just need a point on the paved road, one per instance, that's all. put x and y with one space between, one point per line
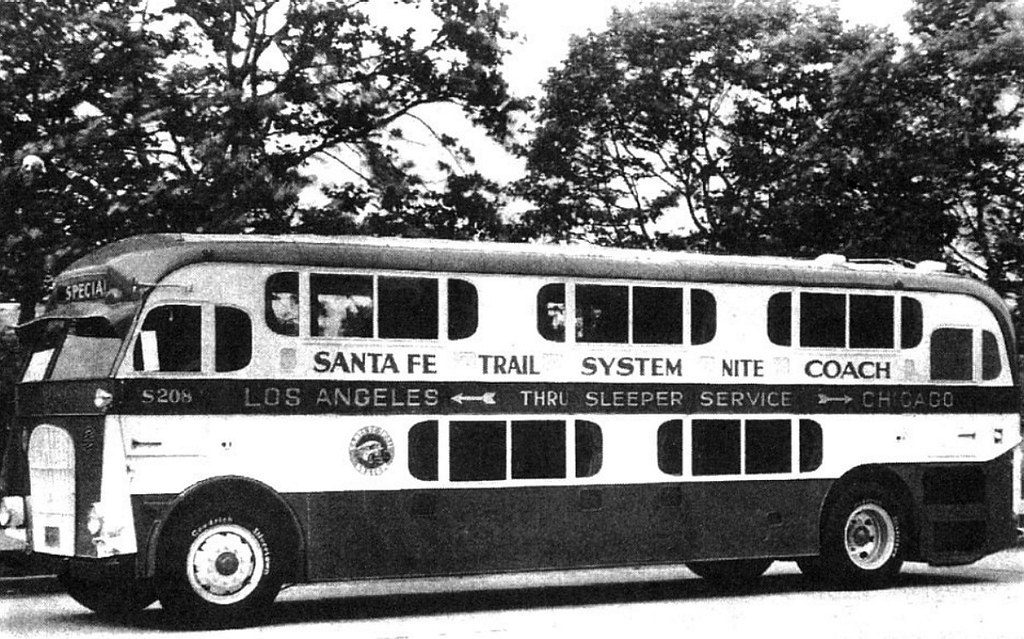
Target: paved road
979 601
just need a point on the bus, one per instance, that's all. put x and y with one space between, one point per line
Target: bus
204 419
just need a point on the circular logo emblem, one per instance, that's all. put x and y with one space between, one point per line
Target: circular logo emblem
371 450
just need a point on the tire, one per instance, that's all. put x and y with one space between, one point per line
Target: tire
111 592
732 571
862 539
219 565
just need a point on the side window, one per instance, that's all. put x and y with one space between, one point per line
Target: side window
670 447
423 451
551 312
716 447
408 307
232 339
463 309
768 445
657 315
872 318
538 449
476 451
991 361
810 445
822 319
911 323
839 320
589 448
170 341
703 317
282 303
732 447
780 319
601 313
342 305
952 357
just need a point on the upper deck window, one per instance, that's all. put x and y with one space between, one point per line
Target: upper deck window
282 303
620 314
171 340
841 320
389 307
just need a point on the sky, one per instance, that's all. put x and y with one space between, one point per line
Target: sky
546 25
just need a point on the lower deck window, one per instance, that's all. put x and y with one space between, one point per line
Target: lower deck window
739 447
488 450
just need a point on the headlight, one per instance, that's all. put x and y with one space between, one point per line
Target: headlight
12 512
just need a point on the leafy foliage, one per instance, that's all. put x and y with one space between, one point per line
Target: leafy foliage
206 116
764 127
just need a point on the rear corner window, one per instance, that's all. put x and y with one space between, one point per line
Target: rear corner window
951 354
991 359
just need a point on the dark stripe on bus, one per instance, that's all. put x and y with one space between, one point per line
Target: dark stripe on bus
371 397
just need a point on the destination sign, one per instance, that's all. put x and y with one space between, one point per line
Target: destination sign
84 290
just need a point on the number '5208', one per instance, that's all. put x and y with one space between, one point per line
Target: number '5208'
166 396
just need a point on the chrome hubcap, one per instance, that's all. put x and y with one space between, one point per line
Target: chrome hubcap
870 536
225 563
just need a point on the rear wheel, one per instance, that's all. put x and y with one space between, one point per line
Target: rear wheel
110 591
862 544
730 570
219 565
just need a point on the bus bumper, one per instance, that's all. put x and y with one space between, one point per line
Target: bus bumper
967 511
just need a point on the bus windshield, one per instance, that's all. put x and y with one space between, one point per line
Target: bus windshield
80 348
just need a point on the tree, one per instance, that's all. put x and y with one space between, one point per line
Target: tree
699 108
778 130
205 117
967 61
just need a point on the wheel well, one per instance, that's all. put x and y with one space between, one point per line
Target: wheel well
885 478
254 494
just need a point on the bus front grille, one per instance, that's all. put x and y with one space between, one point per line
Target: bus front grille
51 460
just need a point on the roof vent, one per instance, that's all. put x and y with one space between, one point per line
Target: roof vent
930 266
830 259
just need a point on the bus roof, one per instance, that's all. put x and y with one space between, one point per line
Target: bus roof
150 258
147 259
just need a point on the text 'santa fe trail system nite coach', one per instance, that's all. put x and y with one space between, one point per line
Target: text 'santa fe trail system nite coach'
204 419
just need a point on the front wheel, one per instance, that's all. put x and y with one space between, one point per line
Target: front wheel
862 540
218 566
730 570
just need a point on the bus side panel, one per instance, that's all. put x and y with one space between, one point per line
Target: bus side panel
465 531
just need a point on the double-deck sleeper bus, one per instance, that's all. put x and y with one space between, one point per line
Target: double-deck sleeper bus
204 419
